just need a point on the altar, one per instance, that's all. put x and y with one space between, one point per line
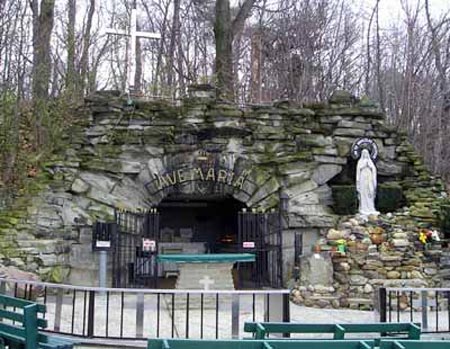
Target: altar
205 271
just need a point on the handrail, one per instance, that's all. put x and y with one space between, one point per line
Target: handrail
428 305
122 313
142 290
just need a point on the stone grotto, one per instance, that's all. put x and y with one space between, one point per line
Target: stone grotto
166 155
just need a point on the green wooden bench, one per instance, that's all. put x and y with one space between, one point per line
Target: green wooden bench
23 321
261 330
257 344
401 344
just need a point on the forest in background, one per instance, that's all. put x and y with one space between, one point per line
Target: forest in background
55 52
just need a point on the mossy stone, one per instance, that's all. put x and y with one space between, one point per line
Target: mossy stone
57 274
444 217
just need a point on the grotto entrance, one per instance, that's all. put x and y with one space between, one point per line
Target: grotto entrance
191 224
186 224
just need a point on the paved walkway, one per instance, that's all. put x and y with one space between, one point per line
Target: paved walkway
298 313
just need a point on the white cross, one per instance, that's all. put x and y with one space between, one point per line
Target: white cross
206 282
134 34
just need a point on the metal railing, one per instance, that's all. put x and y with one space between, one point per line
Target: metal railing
428 306
116 313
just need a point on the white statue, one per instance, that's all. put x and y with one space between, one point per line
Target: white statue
366 184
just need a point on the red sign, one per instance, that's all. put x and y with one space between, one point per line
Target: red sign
248 244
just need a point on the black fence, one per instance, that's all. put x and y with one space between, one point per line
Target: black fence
134 265
111 313
427 306
261 234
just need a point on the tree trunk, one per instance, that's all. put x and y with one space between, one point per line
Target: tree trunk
255 62
84 61
380 82
42 62
10 157
224 50
443 111
138 63
161 46
70 75
225 31
138 71
180 65
174 36
42 48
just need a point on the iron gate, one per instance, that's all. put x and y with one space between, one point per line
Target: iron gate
135 249
261 234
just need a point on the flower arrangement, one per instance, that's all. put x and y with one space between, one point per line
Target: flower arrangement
426 236
341 246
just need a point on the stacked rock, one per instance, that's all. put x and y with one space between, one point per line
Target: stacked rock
387 250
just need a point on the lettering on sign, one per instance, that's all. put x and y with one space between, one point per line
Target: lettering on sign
248 244
103 244
191 174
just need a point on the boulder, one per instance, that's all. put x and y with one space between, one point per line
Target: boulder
323 173
317 270
79 186
334 234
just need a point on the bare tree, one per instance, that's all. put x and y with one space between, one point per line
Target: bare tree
443 107
225 30
71 71
86 43
42 30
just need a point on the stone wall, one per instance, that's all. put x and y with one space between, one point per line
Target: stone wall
117 153
383 252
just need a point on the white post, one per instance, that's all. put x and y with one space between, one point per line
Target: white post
103 270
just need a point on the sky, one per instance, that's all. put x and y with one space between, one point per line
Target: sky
390 9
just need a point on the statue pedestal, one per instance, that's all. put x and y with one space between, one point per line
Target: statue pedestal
206 271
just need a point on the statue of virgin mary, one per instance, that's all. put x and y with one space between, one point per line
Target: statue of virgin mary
366 184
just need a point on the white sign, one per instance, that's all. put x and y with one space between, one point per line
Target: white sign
103 244
148 245
248 244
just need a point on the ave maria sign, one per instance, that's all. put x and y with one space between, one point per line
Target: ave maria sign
210 174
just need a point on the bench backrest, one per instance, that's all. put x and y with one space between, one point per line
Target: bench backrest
261 329
14 309
24 317
255 344
402 344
